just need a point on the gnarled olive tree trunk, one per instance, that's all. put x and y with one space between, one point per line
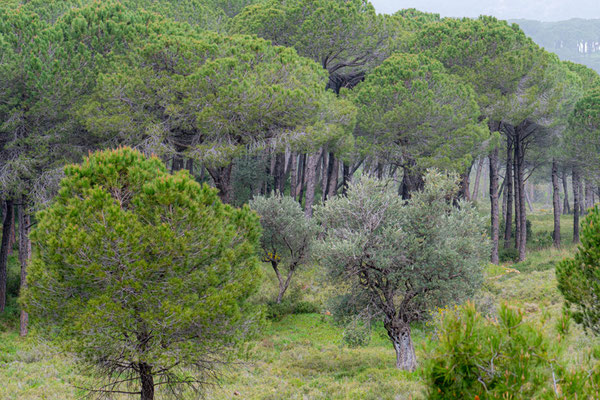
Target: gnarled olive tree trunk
399 333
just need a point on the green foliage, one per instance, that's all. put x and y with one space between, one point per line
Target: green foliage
287 238
357 333
476 357
579 277
137 266
404 257
411 109
345 37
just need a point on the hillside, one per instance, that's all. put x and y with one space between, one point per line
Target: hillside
577 40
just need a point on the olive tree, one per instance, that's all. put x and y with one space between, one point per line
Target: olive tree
146 274
405 256
287 237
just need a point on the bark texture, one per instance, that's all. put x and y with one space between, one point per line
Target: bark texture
7 228
493 158
556 204
399 333
24 256
576 204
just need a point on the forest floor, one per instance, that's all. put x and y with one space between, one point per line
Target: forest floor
304 356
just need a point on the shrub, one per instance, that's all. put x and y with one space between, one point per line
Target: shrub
579 277
477 357
357 333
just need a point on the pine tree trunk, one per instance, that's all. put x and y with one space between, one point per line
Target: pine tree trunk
302 178
311 183
477 179
24 256
293 175
517 199
508 193
576 207
278 172
222 178
556 204
522 206
333 176
7 227
399 333
493 158
147 381
346 177
464 192
412 180
566 206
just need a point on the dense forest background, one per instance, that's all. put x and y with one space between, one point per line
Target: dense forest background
351 202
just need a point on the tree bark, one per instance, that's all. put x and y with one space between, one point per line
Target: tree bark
576 205
556 203
222 178
566 206
346 177
508 193
522 203
7 227
24 256
333 176
147 381
493 158
412 180
311 183
477 179
399 333
293 175
302 178
279 173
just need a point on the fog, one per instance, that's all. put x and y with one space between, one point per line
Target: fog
543 10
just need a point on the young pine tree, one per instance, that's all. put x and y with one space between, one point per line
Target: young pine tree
146 273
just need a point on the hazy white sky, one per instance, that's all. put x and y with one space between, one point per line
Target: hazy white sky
544 10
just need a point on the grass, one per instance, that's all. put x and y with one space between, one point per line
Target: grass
304 357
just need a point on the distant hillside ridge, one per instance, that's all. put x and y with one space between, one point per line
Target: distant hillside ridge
576 40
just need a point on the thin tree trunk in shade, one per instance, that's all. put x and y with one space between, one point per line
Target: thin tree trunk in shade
556 204
24 257
311 183
509 193
346 177
324 174
477 179
493 159
7 226
519 155
293 175
576 207
566 205
333 177
516 199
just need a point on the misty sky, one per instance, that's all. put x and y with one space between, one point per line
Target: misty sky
543 10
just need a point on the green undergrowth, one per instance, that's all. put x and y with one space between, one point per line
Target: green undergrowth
301 354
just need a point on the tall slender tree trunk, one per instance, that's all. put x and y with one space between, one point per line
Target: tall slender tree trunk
464 192
519 156
147 381
293 175
7 227
400 335
493 159
333 176
477 179
566 206
302 178
576 205
508 193
311 183
24 256
346 177
517 199
556 203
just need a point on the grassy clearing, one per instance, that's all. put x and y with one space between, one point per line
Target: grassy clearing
304 356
